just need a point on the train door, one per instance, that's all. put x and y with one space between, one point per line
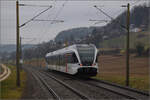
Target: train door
66 62
72 62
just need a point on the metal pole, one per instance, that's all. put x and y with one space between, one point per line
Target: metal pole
127 45
17 43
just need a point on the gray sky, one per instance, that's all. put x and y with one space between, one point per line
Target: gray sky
74 13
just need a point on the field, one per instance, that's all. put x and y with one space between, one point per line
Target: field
113 68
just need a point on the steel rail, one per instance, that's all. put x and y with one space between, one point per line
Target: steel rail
83 96
46 85
110 87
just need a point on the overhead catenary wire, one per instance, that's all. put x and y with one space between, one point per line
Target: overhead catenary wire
44 24
48 16
57 14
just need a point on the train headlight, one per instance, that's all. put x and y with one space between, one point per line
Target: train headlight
94 64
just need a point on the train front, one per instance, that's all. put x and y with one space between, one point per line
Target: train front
88 60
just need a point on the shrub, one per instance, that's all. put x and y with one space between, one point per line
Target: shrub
139 49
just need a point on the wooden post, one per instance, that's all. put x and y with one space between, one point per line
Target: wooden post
128 45
17 45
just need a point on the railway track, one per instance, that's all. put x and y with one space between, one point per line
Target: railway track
124 91
121 90
83 96
51 91
117 89
41 75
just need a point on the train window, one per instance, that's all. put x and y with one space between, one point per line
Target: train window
62 60
57 60
48 60
71 58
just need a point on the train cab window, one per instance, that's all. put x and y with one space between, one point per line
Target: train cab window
98 54
75 59
96 59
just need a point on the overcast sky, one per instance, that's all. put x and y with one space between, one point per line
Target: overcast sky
74 13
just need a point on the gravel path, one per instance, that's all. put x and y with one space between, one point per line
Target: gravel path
6 72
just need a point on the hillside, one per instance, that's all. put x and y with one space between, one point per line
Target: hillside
138 19
73 34
120 42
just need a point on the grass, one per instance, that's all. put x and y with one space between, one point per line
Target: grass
9 90
140 83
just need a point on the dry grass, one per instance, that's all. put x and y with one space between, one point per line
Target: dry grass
113 68
9 90
36 62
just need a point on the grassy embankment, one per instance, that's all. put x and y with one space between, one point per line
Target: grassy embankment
113 68
9 90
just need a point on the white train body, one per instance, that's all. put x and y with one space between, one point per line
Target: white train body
76 59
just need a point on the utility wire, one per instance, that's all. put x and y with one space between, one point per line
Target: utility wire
35 16
135 2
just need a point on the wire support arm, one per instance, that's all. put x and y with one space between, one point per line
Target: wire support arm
35 17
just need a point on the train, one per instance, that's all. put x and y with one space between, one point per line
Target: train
77 59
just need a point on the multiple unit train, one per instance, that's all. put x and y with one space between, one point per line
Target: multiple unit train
78 59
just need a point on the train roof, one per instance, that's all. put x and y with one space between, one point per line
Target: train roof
68 49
